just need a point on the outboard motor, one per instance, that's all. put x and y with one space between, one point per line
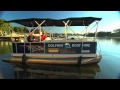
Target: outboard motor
79 61
24 58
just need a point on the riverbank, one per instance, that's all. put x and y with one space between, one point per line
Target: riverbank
114 37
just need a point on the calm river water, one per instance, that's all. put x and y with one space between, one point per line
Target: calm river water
107 68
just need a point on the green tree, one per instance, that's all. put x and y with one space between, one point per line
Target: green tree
116 31
91 34
5 27
101 34
19 29
16 29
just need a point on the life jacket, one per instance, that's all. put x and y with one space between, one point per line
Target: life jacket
43 37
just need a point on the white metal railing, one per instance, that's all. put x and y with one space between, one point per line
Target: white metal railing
30 44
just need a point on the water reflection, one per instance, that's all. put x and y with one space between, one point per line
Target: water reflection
55 72
5 47
116 41
104 39
112 40
5 43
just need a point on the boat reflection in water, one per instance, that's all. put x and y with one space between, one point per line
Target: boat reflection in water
55 72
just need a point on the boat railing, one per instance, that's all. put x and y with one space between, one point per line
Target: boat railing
28 47
49 47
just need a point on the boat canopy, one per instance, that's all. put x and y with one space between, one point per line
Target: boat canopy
78 21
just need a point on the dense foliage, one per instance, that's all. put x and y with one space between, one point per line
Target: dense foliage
5 27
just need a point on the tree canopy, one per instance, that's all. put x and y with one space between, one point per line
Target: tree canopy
117 31
7 27
4 27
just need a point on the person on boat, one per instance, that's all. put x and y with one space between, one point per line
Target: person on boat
31 37
43 36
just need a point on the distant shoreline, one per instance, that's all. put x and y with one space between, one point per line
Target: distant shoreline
108 37
111 37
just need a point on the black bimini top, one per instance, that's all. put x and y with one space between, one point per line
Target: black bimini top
83 21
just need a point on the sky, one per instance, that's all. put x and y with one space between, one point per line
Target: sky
110 19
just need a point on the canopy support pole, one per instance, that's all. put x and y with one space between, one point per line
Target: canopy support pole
39 25
66 25
85 28
96 30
